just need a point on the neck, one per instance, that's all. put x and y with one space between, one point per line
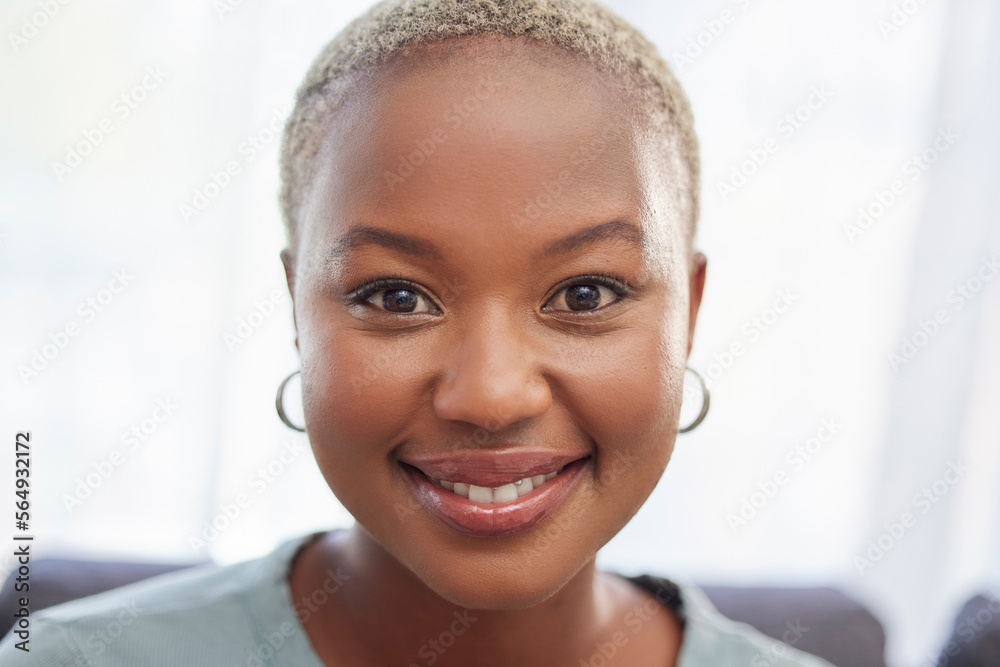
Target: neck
391 617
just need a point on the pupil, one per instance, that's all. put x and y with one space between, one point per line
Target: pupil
401 299
585 296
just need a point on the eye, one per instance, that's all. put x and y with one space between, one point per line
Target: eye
394 295
589 293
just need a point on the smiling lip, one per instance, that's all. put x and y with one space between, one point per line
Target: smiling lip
492 469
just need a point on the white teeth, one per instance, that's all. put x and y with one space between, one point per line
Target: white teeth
505 493
480 494
499 494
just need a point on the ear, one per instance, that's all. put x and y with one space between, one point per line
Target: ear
289 263
696 283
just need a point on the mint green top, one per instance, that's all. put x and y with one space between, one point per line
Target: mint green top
242 615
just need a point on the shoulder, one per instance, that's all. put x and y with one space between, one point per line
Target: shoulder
713 639
208 614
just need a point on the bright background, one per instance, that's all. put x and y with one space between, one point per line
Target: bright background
226 77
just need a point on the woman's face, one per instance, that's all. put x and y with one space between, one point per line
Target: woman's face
489 186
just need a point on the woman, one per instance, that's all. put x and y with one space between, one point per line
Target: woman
491 209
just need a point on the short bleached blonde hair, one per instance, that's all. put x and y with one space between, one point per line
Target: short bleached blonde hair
582 27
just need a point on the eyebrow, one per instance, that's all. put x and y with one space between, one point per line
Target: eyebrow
613 230
414 246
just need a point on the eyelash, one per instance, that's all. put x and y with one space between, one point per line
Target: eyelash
365 291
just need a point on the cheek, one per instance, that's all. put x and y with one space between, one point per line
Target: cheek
358 387
360 395
625 394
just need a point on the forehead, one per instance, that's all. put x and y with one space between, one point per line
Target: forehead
499 142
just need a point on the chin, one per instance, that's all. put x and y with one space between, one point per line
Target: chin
495 586
506 573
510 571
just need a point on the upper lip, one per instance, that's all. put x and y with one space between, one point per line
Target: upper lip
492 468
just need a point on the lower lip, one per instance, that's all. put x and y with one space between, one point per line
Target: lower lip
497 519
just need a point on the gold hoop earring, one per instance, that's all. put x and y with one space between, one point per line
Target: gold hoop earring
704 405
279 404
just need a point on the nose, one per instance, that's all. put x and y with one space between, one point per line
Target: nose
492 379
